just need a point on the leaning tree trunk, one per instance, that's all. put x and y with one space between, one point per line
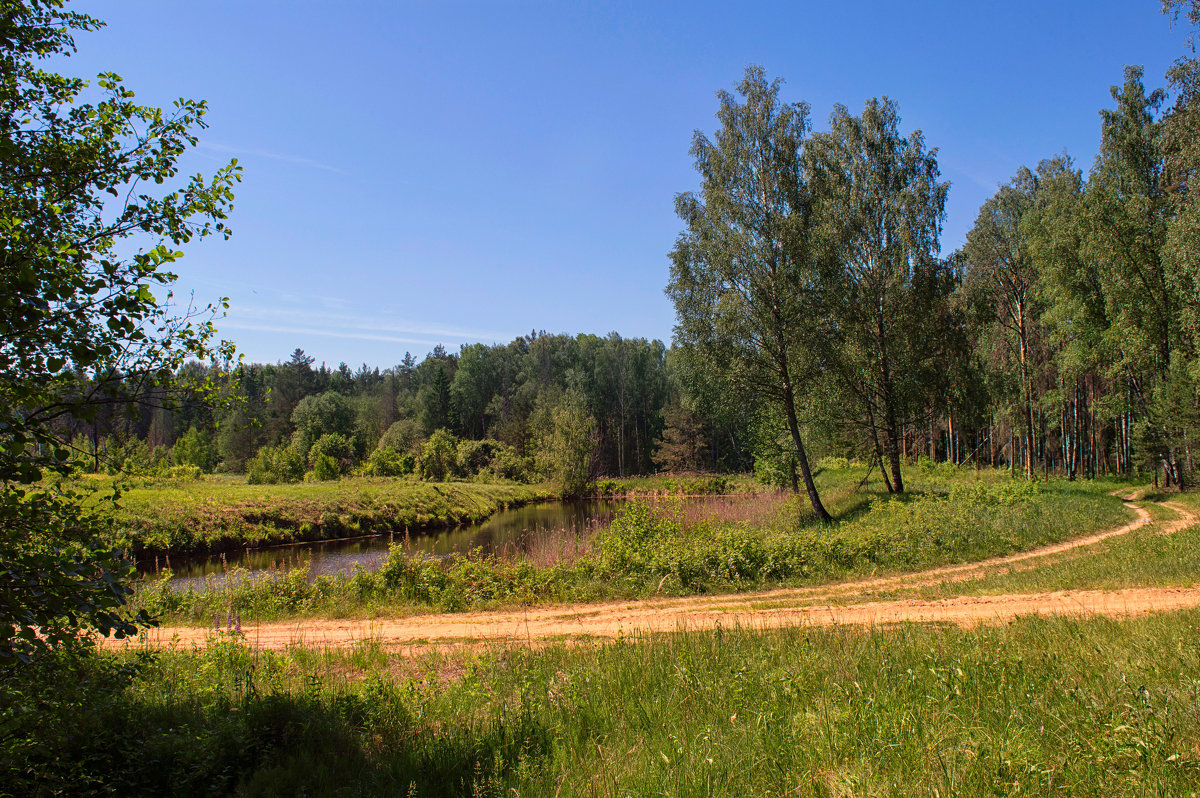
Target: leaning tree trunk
789 405
890 426
878 449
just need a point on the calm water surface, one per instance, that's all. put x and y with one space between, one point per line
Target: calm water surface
506 532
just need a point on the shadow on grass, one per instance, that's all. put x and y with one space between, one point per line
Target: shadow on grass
78 725
859 505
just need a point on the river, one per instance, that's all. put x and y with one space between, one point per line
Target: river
518 531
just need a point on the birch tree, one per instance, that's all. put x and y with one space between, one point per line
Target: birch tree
745 280
881 207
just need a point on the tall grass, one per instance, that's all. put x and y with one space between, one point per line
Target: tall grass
1039 706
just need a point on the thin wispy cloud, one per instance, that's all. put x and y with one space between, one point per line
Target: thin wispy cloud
275 156
972 175
358 335
336 303
362 326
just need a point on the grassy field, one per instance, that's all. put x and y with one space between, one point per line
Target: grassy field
1037 707
1063 707
679 548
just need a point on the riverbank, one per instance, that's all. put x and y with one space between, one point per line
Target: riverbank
173 518
666 548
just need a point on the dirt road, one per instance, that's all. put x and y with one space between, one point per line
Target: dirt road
773 609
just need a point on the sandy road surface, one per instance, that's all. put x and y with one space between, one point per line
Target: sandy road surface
773 609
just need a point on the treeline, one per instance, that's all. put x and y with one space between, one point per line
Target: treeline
1062 337
1082 301
502 410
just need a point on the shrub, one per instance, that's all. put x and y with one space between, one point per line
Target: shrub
404 436
387 462
130 456
609 487
567 446
509 464
320 415
833 463
274 464
325 468
335 447
439 457
194 448
82 454
774 469
475 457
184 472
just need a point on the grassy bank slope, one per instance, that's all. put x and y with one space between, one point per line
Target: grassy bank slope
1147 557
214 514
1042 707
182 518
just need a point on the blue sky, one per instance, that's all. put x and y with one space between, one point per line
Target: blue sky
441 172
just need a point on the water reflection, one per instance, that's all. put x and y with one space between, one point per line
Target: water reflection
509 532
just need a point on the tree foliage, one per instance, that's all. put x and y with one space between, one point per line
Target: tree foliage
880 208
745 279
81 328
1091 285
566 445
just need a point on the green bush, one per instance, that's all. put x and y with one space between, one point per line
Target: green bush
833 463
335 448
567 445
275 464
129 456
775 468
492 458
184 472
404 436
439 457
325 468
387 462
509 464
475 457
194 448
321 414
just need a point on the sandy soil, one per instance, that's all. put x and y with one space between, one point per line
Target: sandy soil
772 609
